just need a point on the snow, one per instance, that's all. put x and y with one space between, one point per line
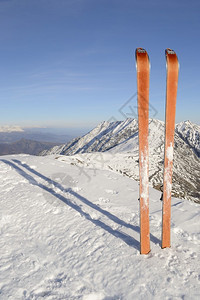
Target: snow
9 129
169 152
120 139
144 178
191 134
168 172
73 233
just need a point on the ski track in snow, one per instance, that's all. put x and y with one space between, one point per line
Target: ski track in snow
64 237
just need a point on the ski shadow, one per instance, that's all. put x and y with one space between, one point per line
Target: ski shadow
172 205
176 204
109 215
130 241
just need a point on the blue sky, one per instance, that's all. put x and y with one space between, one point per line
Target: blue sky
71 63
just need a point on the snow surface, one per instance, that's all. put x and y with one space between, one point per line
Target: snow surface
73 233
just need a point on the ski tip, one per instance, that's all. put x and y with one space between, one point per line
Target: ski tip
139 50
171 54
169 51
141 53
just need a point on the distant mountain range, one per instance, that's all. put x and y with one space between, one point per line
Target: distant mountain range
15 140
8 128
14 134
24 146
120 140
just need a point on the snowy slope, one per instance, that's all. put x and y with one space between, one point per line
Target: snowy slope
108 135
103 137
121 139
191 134
71 233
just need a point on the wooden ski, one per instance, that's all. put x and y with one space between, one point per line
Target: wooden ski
171 93
143 68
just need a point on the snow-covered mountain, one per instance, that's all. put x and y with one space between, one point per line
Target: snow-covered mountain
9 129
190 133
68 234
119 141
102 138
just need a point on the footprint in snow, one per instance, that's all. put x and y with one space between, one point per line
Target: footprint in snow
94 296
104 200
76 189
111 192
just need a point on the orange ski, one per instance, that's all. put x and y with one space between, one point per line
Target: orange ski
172 83
142 65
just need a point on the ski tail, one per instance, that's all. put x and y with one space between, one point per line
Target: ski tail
171 94
143 70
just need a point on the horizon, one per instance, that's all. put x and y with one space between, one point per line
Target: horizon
65 130
72 64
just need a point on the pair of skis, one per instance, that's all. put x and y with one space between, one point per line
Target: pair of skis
143 68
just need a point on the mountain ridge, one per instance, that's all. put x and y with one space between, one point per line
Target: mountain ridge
187 131
121 137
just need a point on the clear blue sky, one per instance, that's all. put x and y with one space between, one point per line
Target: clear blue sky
71 63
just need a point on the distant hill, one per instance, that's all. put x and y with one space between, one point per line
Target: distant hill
10 135
17 140
25 146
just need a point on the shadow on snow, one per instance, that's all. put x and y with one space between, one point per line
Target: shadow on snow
124 237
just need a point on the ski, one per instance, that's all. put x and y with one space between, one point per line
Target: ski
143 67
171 92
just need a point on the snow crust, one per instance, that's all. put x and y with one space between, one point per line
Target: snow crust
71 232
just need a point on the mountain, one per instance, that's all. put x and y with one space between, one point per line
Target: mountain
65 235
120 140
25 146
102 138
35 134
9 129
190 133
